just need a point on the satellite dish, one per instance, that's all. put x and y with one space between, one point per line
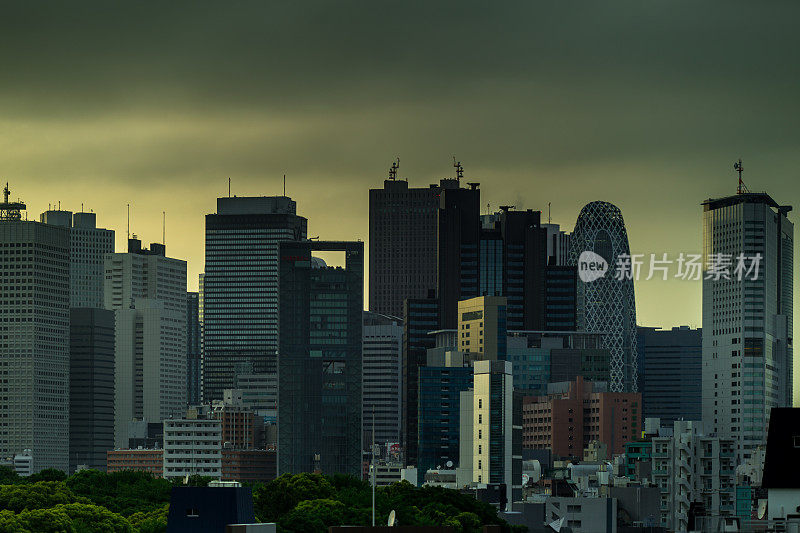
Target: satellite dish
391 520
449 464
762 508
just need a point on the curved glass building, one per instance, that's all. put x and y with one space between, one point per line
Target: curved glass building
606 304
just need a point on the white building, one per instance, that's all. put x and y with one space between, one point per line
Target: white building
381 373
747 324
688 467
147 290
23 463
89 246
34 338
192 446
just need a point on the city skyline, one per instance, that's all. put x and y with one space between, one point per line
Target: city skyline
625 103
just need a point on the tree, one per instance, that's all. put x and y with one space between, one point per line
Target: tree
46 521
312 516
48 474
151 521
40 495
87 518
124 493
276 498
8 476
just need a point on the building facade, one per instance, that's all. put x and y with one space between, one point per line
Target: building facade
34 338
193 348
320 364
670 373
607 305
574 414
91 387
192 446
88 248
690 467
482 327
747 322
147 291
402 244
240 287
381 369
138 459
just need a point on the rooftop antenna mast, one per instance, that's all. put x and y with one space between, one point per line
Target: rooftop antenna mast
393 169
548 212
284 184
459 169
129 221
229 187
742 188
164 228
11 210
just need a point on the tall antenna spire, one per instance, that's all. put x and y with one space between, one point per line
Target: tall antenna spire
129 221
742 188
393 169
229 187
11 210
164 228
284 184
459 169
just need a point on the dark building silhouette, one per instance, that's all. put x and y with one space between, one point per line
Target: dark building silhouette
240 307
402 243
91 387
209 509
420 317
670 373
193 350
319 377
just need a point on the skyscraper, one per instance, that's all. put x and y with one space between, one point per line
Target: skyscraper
240 287
607 305
34 338
91 384
88 248
147 292
193 352
319 377
747 322
402 243
670 373
381 370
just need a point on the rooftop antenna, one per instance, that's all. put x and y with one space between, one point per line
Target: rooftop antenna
284 184
59 205
393 169
129 221
459 169
488 208
229 187
742 188
81 207
11 210
164 228
548 212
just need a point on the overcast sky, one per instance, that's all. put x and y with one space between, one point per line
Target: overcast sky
645 104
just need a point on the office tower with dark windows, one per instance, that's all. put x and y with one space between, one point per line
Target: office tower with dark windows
381 382
89 246
607 305
193 348
420 318
747 316
240 287
319 368
670 373
91 387
147 291
34 338
459 231
482 327
402 243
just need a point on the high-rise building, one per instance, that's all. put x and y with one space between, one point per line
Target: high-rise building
747 316
319 377
420 317
240 287
402 243
34 338
91 387
482 327
670 373
147 292
381 384
496 431
89 246
193 348
458 244
607 305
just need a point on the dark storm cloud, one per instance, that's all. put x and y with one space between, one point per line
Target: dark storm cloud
642 103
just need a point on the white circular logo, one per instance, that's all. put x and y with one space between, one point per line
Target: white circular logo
591 266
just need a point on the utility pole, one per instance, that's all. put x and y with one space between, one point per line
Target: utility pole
374 466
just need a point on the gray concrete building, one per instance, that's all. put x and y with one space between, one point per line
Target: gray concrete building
381 378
